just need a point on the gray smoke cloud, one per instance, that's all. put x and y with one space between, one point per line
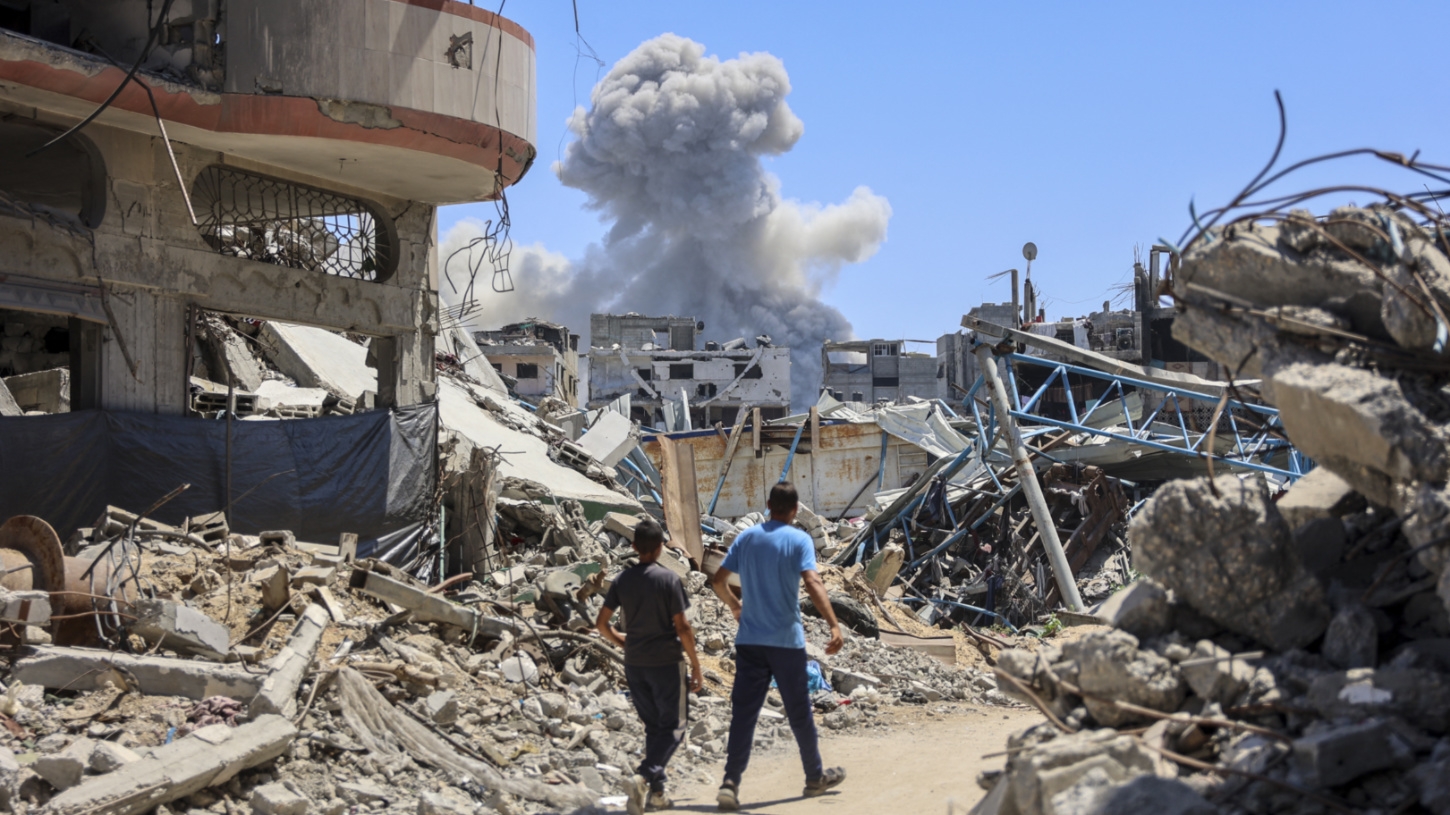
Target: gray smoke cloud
670 154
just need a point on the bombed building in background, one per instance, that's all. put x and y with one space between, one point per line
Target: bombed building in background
539 357
871 371
673 383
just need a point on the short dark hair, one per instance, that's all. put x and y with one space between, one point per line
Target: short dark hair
783 497
648 536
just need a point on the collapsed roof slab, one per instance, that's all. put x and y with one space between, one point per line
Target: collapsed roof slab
318 358
524 456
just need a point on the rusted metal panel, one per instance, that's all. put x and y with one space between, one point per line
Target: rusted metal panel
828 475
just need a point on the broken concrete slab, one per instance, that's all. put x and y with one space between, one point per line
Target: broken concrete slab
180 628
610 439
1319 494
1361 426
8 405
317 358
53 666
43 391
210 756
1225 550
428 607
275 583
621 524
290 666
882 569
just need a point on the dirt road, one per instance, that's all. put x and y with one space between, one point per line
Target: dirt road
923 767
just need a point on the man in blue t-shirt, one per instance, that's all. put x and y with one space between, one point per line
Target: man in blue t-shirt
772 559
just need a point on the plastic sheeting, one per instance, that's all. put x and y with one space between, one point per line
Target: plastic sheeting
372 473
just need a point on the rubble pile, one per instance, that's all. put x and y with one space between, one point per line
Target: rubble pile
1288 650
221 672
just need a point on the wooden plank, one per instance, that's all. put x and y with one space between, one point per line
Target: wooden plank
682 501
940 648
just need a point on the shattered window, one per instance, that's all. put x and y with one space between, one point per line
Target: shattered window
645 373
753 373
267 219
527 370
682 370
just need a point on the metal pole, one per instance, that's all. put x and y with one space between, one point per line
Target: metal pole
1028 478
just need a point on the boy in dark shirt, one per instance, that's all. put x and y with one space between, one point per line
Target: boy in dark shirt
656 640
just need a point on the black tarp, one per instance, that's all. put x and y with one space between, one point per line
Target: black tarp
372 473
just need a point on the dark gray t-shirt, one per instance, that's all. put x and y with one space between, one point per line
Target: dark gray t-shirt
650 596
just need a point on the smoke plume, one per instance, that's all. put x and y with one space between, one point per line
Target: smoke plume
670 155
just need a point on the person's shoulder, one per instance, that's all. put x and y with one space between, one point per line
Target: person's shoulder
658 572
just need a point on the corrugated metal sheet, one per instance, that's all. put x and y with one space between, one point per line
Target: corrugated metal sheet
827 475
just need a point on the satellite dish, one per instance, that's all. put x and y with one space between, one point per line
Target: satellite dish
1029 250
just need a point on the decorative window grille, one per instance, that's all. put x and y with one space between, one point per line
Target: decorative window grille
253 216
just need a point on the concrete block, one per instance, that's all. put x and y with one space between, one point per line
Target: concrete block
65 769
1110 666
1340 755
290 666
45 391
845 681
212 755
1320 494
89 669
180 628
24 607
275 583
109 757
276 799
1141 609
314 576
511 576
442 707
621 524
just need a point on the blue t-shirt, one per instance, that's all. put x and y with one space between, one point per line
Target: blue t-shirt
769 559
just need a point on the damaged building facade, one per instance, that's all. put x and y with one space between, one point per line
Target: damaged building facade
671 382
268 159
871 371
541 357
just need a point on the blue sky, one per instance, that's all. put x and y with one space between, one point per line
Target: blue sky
1084 127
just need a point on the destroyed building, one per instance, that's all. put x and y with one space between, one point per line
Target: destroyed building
541 357
672 382
871 371
240 195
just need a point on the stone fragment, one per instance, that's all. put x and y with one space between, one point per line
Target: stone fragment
65 769
314 576
845 682
442 707
1048 770
520 668
1337 756
277 799
24 607
1214 675
291 665
1140 608
180 628
364 792
621 524
1110 666
109 756
1352 639
554 705
1319 494
1230 557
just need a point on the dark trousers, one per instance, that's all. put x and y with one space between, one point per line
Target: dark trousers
659 699
755 665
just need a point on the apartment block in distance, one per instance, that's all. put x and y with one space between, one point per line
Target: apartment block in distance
542 357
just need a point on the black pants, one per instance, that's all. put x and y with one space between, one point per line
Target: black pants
755 665
659 699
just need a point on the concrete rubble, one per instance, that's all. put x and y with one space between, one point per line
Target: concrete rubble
1286 648
486 694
